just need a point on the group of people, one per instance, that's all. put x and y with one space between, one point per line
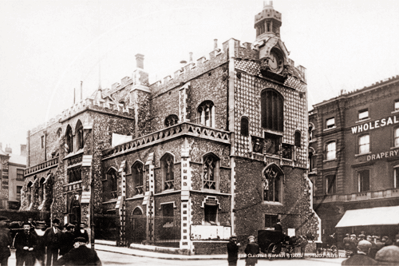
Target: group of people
251 251
47 245
370 250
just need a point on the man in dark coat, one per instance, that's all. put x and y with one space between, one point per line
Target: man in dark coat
25 244
278 226
232 251
52 238
41 245
67 239
5 241
80 255
80 231
252 251
361 258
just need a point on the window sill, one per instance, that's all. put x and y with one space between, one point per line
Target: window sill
393 148
395 112
110 201
272 203
363 120
330 160
136 197
330 128
73 183
362 154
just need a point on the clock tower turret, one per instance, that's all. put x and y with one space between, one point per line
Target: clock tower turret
267 22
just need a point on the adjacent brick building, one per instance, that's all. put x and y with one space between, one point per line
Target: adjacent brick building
219 148
11 177
354 160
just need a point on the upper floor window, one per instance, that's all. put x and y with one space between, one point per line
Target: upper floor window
74 174
112 180
330 123
244 126
171 120
331 187
396 137
206 113
42 141
312 159
272 110
29 193
211 172
167 166
69 140
138 177
331 151
310 131
396 105
363 180
272 184
20 174
19 188
396 177
363 114
297 139
79 135
364 144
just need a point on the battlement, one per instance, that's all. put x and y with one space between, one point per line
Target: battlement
45 125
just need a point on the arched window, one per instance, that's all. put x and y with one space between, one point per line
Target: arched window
244 126
69 139
272 110
297 139
211 172
41 190
29 193
171 120
396 137
79 135
138 176
364 144
331 151
272 190
112 179
167 165
206 113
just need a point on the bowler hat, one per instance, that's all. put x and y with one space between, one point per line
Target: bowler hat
388 254
56 221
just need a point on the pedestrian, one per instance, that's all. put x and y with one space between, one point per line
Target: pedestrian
278 226
232 251
361 257
52 238
80 255
388 255
5 241
25 243
67 239
353 245
81 232
252 251
41 243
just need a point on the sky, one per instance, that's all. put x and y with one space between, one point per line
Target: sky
48 48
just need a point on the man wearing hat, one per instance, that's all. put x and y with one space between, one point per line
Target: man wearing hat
80 255
67 239
252 251
81 232
5 241
41 246
52 238
361 258
232 251
388 255
25 244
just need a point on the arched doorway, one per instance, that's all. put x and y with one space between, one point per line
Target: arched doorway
136 229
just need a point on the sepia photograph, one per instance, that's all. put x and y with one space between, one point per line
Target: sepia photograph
188 132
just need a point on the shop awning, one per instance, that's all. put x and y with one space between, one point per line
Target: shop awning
371 216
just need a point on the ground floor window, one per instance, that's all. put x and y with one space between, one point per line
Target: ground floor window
211 214
270 220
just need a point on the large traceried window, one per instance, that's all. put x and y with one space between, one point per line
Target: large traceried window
210 172
69 140
396 137
331 151
79 135
363 180
206 114
364 144
74 174
167 166
138 178
272 110
272 184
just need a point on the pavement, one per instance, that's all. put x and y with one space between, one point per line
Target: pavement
158 253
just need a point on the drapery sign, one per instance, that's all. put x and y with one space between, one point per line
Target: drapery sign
204 232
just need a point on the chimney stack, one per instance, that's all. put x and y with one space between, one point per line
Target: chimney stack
23 150
215 44
8 150
140 61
